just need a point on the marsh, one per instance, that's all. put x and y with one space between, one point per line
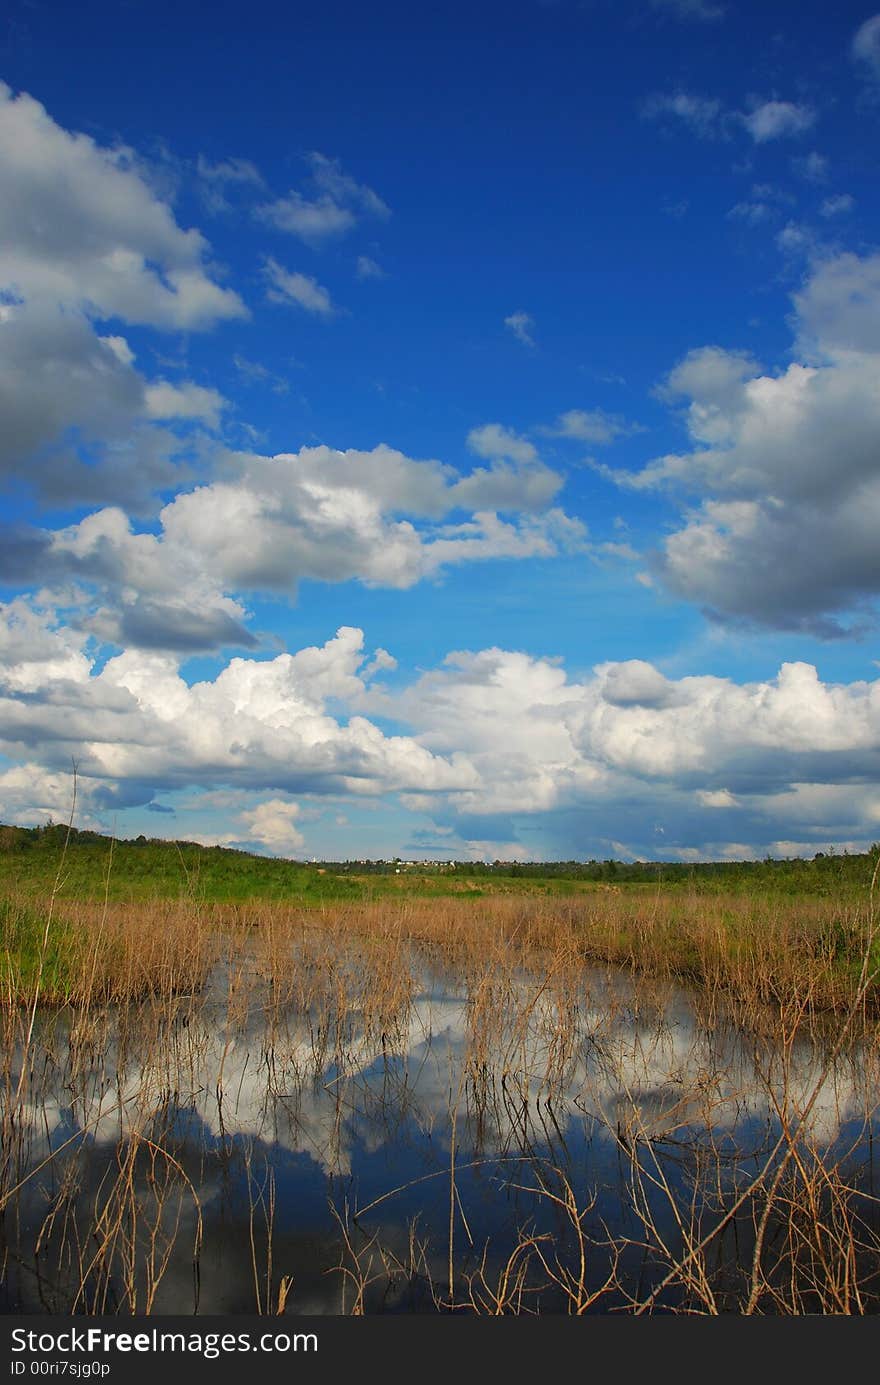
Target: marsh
371 1113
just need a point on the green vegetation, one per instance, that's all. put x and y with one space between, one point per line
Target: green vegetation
129 916
24 938
142 869
154 869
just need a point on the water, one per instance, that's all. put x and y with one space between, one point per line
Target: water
548 1135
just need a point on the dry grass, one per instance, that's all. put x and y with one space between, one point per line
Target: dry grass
151 1001
766 953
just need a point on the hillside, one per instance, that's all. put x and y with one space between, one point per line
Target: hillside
145 868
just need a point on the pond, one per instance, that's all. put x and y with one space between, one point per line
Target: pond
483 1138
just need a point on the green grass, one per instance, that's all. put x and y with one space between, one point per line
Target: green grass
22 932
709 923
151 869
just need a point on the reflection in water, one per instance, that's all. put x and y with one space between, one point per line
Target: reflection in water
494 1140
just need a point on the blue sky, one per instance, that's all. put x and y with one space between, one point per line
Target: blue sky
442 434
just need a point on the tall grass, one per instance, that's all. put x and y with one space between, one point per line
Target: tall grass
137 1008
768 953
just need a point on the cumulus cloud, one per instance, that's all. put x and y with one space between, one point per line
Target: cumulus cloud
85 238
377 517
259 724
140 592
494 440
372 516
36 649
838 308
31 796
783 466
490 739
56 374
615 755
272 825
80 227
184 400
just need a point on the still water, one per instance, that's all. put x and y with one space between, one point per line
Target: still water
532 1142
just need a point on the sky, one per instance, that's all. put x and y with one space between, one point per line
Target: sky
443 431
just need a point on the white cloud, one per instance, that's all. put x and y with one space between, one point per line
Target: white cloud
708 119
628 743
185 400
216 179
329 175
591 425
335 204
56 374
286 286
866 45
521 325
36 650
118 345
814 167
716 798
704 10
255 373
784 466
138 591
81 228
495 736
229 171
475 850
494 440
381 662
838 205
486 536
311 221
753 213
31 796
702 114
839 308
272 825
85 238
369 269
777 119
797 240
259 724
377 517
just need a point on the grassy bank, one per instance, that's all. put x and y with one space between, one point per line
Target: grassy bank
273 1009
132 918
564 1000
96 867
764 952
